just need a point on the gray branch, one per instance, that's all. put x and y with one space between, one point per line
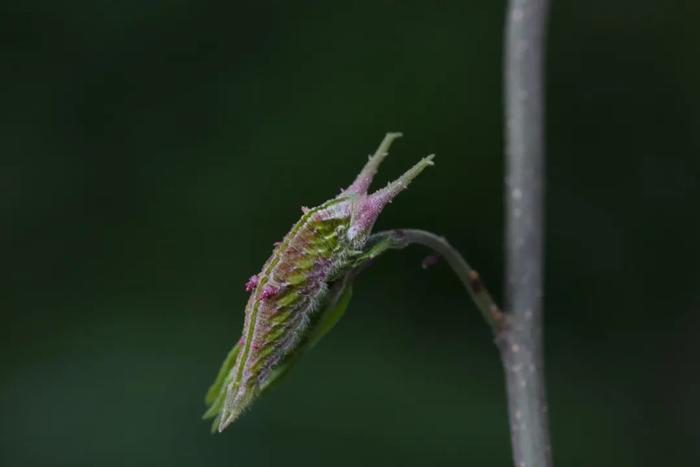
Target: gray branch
521 341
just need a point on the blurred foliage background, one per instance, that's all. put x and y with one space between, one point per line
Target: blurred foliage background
152 151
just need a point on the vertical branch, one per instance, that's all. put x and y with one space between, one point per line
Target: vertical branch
520 341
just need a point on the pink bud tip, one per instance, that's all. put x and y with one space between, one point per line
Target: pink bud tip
269 291
252 283
304 209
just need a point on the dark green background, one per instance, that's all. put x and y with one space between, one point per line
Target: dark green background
152 151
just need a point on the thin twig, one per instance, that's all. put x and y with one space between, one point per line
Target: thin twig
527 409
401 238
521 341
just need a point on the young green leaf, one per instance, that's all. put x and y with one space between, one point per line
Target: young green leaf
303 288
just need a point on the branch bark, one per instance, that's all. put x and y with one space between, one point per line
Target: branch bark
520 342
